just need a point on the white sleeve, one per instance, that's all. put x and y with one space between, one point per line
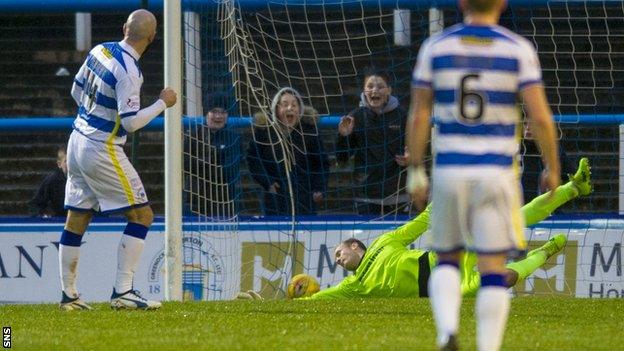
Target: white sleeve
129 103
128 94
421 77
141 118
530 72
78 86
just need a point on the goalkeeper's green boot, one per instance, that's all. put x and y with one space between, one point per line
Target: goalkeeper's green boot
582 178
552 247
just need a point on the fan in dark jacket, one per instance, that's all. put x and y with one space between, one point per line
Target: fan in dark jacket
374 134
50 197
212 158
286 144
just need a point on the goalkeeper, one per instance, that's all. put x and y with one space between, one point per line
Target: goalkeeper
389 269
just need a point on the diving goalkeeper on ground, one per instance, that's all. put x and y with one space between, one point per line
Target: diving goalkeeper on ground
389 269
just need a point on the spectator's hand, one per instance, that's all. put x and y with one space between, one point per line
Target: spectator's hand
168 96
345 127
401 160
274 188
317 197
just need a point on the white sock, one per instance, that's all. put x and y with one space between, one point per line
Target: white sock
68 264
492 309
445 296
128 256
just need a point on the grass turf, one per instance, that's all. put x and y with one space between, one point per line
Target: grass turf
393 324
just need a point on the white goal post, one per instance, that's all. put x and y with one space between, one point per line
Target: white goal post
173 152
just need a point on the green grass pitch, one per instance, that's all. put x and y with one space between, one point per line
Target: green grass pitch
537 323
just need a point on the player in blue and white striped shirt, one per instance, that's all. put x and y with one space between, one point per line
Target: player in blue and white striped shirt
100 176
472 74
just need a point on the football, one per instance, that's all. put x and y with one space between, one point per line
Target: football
302 285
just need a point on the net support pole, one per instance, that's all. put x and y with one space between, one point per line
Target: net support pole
621 173
436 21
83 31
402 28
192 64
173 152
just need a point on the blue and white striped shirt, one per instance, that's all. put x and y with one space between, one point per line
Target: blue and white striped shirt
107 88
475 73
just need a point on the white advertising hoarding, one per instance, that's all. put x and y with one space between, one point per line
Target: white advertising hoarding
219 263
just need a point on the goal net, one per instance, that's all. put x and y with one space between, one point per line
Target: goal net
263 192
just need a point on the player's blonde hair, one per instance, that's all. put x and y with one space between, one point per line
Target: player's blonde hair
482 6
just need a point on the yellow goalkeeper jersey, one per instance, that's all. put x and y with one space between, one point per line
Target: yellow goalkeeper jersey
389 268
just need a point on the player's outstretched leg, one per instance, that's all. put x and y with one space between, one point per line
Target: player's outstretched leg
542 206
516 271
582 178
553 246
535 259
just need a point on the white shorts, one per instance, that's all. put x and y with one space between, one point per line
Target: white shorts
480 215
100 177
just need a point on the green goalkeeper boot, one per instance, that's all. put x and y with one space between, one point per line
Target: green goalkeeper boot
552 247
582 178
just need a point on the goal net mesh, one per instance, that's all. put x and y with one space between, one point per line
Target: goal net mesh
256 189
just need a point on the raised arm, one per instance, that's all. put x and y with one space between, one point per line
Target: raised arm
348 141
532 92
128 104
543 128
418 127
412 230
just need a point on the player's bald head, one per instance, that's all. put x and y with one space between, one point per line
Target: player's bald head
141 25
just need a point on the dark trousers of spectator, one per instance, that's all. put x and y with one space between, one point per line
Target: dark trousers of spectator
276 204
280 205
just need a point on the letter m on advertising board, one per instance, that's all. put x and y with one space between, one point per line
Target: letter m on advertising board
267 267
